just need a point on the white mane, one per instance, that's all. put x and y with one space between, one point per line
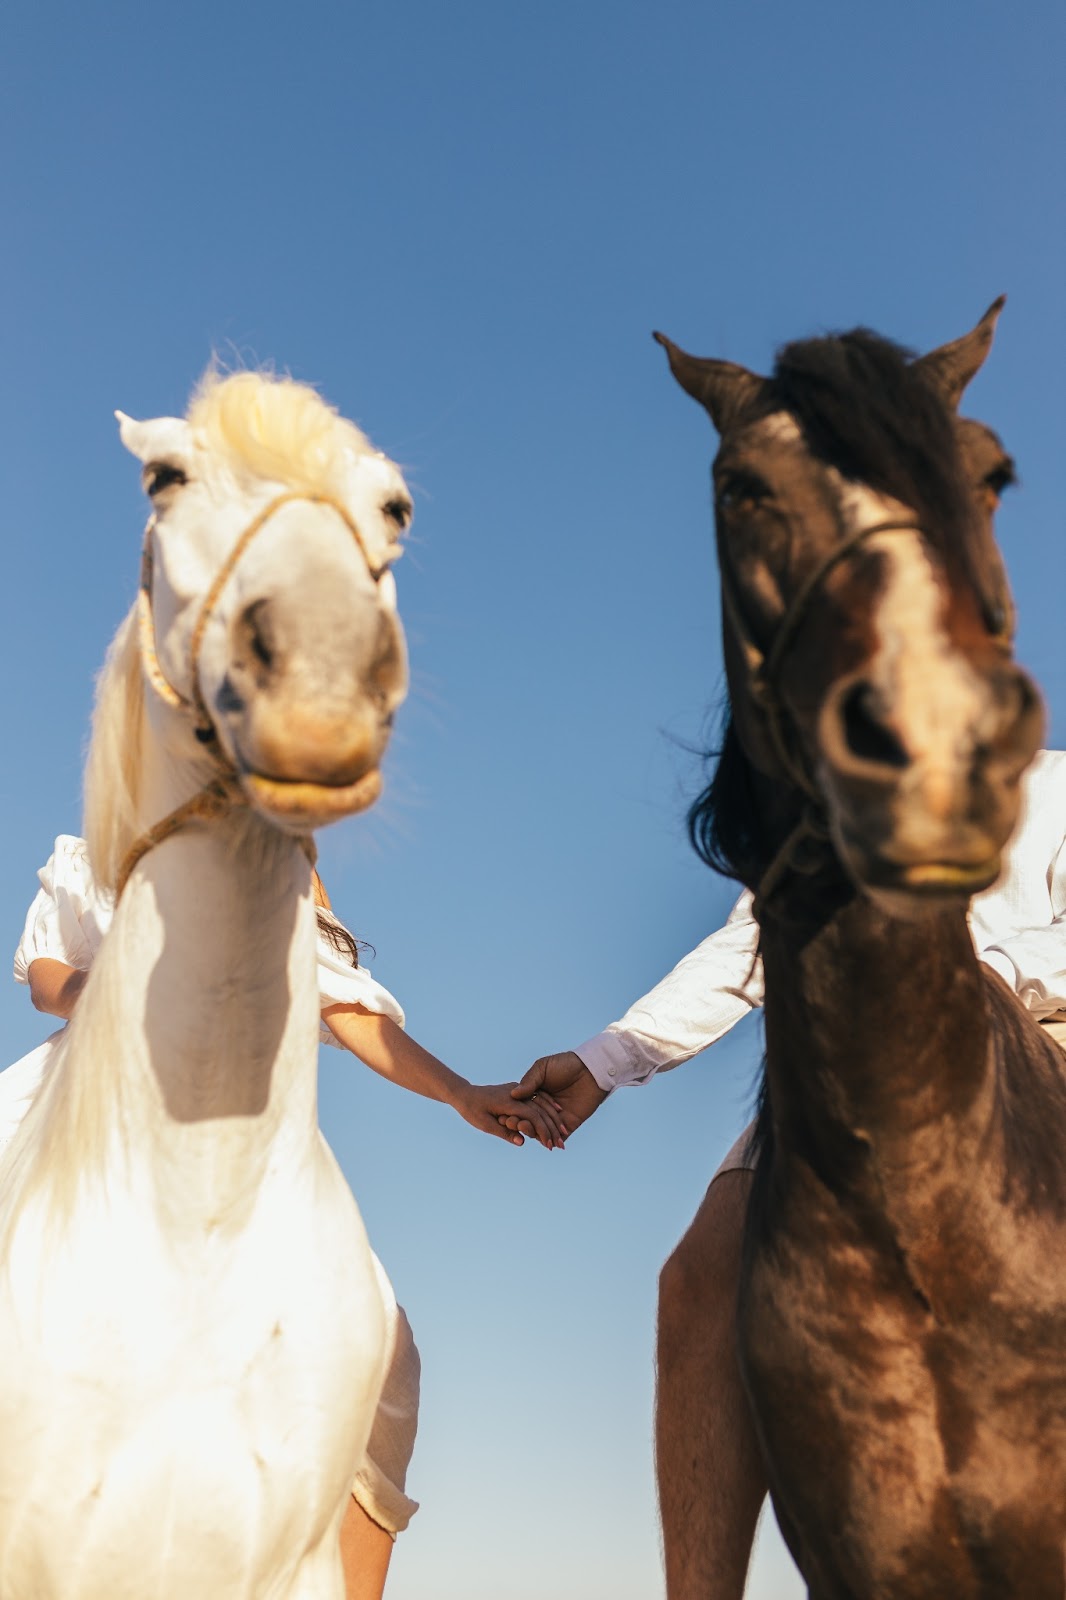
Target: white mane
113 762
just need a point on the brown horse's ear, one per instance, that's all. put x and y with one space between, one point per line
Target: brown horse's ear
721 387
951 367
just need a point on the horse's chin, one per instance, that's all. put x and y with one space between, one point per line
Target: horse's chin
301 807
914 889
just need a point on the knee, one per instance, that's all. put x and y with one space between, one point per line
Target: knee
698 1284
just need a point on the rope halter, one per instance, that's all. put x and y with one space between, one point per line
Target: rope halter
225 792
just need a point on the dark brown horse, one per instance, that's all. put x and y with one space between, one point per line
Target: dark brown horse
903 1309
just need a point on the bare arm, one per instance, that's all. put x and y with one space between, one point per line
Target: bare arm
55 987
390 1052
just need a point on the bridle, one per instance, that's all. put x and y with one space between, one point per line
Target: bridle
224 793
764 681
803 848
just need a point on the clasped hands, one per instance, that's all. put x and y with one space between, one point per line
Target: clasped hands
555 1097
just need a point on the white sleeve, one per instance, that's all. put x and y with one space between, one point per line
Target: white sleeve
705 995
1033 960
339 983
53 922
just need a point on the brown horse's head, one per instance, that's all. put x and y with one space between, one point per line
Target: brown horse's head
867 620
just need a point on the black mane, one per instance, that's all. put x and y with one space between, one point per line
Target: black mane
722 820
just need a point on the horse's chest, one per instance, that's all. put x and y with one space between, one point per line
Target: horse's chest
908 1460
228 1390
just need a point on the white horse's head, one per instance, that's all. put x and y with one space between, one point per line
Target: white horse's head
268 606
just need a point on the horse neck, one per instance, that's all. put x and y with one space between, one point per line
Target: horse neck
193 1051
876 1027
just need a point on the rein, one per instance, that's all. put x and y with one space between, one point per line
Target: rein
224 793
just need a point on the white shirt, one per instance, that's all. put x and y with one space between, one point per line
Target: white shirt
1018 928
69 918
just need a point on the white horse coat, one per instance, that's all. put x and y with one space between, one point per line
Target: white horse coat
193 1335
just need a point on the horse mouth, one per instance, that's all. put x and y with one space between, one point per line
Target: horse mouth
947 877
299 806
928 880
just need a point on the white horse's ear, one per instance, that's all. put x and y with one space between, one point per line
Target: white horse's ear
160 439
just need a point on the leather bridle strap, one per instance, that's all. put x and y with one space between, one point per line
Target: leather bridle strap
765 670
803 848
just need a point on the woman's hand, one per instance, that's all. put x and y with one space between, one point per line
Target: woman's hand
484 1106
566 1082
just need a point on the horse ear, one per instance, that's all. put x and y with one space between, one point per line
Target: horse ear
721 387
160 439
951 367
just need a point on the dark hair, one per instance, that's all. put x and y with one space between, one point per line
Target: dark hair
723 825
336 934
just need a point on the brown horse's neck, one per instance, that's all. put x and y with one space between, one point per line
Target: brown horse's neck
876 1027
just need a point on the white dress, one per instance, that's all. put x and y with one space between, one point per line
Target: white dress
67 922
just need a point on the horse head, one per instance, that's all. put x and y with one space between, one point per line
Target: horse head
866 615
268 607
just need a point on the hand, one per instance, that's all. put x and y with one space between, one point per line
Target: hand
490 1108
567 1082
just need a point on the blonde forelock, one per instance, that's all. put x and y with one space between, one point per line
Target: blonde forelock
274 428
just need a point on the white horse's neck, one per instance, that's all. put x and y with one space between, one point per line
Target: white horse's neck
191 1061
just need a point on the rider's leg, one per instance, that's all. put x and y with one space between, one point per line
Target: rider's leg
711 1482
380 1508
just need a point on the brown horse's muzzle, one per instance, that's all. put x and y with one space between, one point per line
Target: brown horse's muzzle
921 802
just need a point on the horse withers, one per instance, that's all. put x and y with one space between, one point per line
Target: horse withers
902 1321
193 1330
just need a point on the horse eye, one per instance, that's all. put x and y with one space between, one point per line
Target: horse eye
996 619
160 475
1000 478
741 490
398 511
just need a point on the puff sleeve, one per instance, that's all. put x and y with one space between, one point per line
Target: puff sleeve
339 983
53 923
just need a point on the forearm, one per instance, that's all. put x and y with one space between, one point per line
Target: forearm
707 993
386 1049
55 987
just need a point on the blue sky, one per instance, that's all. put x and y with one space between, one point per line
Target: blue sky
462 222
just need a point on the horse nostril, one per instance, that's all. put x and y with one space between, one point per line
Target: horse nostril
865 735
387 670
256 638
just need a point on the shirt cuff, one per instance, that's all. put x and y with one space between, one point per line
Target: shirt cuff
610 1062
1001 963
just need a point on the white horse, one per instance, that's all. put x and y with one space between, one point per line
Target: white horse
192 1332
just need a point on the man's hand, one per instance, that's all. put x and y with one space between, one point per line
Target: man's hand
570 1084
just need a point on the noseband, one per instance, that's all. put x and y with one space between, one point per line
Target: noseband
224 793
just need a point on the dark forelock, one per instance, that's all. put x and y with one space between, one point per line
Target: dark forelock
868 411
